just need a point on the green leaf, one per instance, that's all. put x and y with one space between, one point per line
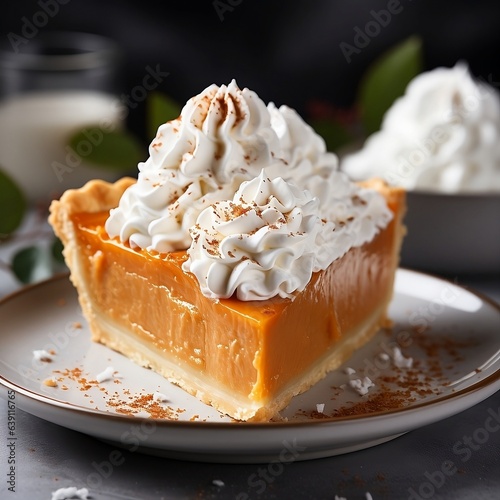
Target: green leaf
386 80
334 134
56 251
32 264
118 150
161 109
12 205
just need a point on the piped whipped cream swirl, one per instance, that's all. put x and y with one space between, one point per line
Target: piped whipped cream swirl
309 164
442 135
222 138
251 192
260 244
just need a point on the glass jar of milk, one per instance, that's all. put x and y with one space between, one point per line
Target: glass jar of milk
52 86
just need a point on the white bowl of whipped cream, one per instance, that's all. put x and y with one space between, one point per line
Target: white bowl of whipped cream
441 142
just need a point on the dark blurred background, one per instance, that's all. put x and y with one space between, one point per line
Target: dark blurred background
288 52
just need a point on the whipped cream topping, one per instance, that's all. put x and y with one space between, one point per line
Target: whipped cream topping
251 192
309 164
442 135
222 137
260 244
270 238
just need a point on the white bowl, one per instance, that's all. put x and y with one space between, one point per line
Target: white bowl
452 233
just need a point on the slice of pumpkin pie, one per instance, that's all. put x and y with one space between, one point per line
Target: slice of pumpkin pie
240 264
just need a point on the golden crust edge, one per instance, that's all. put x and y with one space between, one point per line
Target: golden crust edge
95 196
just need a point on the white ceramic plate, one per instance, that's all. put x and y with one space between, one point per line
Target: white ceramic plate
452 335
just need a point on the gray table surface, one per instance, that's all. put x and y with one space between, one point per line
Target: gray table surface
49 457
